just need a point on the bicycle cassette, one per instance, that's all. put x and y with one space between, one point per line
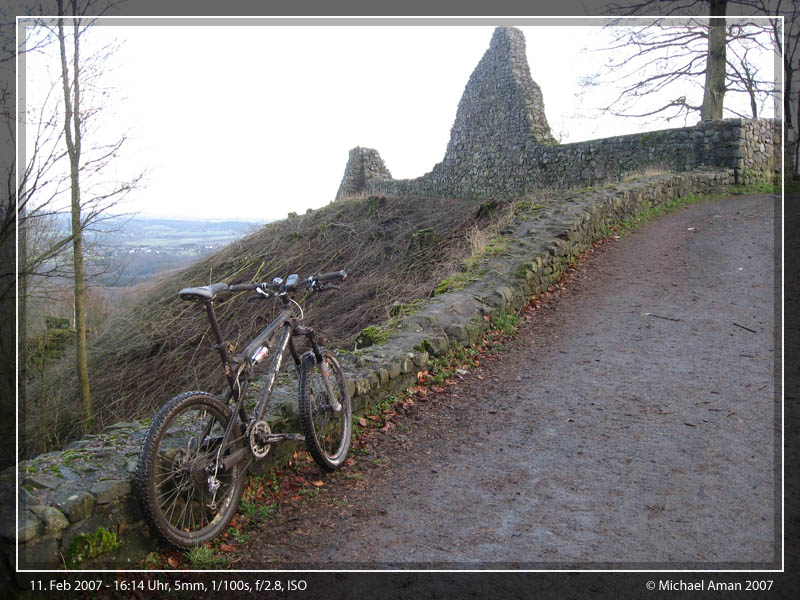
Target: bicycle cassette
259 433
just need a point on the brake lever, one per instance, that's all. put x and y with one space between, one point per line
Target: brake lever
259 295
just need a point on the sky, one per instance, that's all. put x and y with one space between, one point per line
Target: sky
254 121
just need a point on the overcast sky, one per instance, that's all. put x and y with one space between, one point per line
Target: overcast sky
256 121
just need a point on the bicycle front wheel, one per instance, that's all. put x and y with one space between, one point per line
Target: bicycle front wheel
326 424
185 496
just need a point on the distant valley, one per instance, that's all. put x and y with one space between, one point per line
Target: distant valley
140 247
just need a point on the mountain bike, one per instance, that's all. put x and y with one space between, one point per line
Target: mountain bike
199 446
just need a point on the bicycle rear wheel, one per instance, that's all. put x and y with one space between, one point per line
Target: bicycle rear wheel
185 498
326 430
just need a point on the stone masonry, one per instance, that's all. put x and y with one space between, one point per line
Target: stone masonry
500 143
363 166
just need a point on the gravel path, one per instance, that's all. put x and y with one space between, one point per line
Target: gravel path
631 423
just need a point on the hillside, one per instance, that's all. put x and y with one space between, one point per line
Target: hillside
394 250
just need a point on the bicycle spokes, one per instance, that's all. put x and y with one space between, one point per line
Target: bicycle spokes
189 486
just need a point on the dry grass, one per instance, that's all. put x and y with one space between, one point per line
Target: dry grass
394 249
478 239
647 172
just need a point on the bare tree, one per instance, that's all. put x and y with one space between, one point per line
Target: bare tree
675 68
63 159
71 81
785 33
714 88
778 33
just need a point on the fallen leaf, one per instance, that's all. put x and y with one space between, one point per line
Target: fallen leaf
362 421
294 499
173 562
422 375
227 548
319 483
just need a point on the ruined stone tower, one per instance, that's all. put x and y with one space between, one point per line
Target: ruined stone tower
502 111
500 122
364 168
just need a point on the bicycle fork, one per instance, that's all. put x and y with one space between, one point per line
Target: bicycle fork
336 406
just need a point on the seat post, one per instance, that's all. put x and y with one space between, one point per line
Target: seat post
212 318
220 346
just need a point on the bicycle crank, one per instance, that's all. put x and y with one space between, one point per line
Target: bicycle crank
259 439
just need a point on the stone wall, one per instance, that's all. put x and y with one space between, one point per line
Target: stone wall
74 492
500 143
363 165
747 146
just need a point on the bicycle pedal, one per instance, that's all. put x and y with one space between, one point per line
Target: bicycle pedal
274 438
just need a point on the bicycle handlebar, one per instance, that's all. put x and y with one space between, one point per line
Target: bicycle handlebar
311 283
315 283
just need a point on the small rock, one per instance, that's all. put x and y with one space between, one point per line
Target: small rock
76 505
76 444
25 497
53 519
29 526
68 473
44 480
106 491
121 425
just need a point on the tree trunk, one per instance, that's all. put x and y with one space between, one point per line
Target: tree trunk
796 166
751 91
714 90
72 134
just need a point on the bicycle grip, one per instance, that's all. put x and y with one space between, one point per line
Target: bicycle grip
242 287
342 274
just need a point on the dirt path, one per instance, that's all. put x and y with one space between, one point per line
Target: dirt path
631 422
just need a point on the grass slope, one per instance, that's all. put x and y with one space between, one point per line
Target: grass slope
394 249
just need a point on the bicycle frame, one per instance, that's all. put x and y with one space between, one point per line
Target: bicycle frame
242 363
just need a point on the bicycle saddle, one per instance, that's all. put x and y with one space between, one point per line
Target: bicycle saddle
201 294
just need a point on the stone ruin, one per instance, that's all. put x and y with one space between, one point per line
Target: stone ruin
364 165
501 144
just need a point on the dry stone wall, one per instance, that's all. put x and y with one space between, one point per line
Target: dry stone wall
500 143
748 147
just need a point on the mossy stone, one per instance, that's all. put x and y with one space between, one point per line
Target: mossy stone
76 505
